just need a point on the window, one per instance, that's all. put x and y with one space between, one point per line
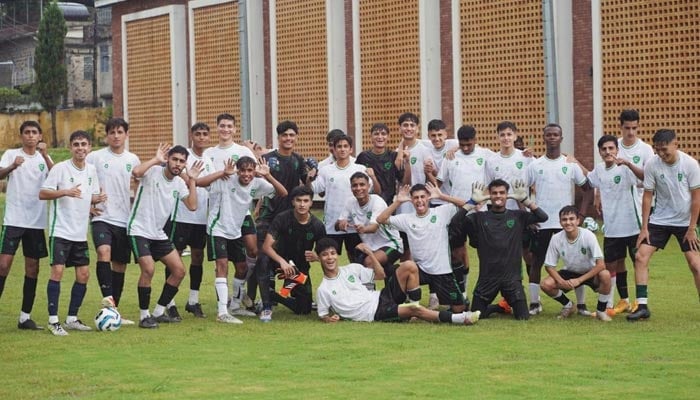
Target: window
88 70
104 58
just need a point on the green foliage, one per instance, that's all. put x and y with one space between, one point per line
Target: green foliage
9 96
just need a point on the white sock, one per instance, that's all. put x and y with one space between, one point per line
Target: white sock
580 295
171 304
250 263
143 314
158 310
71 318
238 289
606 298
23 316
221 286
194 297
459 318
613 284
534 292
53 319
642 300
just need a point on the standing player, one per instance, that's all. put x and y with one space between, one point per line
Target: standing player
509 164
578 248
189 228
383 163
616 180
114 165
26 169
675 178
160 189
330 139
439 144
72 187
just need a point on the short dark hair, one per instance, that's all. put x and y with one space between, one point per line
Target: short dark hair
379 126
244 162
553 125
79 135
177 149
503 125
332 134
407 116
326 243
519 141
607 138
359 174
466 132
283 126
199 126
498 183
301 191
116 122
417 187
629 116
664 136
436 125
225 116
338 139
33 124
569 210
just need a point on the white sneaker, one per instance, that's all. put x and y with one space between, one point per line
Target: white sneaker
108 302
433 303
242 312
228 319
266 316
76 325
471 317
603 316
535 308
57 329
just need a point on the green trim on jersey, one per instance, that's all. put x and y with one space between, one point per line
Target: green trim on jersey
135 247
390 236
633 192
2 238
51 246
136 207
54 204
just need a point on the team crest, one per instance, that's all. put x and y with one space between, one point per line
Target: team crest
234 157
680 177
369 215
42 166
539 172
519 165
175 194
433 219
252 192
479 161
351 278
413 160
332 179
583 250
564 169
617 179
387 165
510 223
90 181
309 236
662 176
498 169
128 167
636 159
233 190
106 165
71 179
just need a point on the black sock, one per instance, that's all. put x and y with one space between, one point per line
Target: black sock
196 272
414 294
168 294
621 283
445 316
144 297
562 299
2 284
28 294
53 292
104 277
460 273
77 294
602 305
117 286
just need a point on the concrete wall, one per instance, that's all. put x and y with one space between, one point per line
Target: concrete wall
67 121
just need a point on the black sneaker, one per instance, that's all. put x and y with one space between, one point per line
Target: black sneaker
29 325
195 309
148 323
165 319
640 314
174 314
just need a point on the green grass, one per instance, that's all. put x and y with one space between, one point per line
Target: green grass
300 357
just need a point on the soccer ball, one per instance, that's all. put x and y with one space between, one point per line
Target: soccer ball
108 319
590 224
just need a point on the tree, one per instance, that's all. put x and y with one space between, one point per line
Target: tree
51 75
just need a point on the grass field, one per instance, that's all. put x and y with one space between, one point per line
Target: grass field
300 357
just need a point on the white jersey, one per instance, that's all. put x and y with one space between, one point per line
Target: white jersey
347 294
622 204
417 155
427 237
673 184
198 216
578 256
638 154
330 160
463 170
508 168
385 236
22 206
156 198
335 182
114 172
554 182
438 155
219 155
69 216
229 203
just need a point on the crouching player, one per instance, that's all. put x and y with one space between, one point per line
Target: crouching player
343 289
578 248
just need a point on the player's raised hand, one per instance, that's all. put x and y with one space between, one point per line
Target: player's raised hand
19 160
404 194
479 192
434 191
196 169
262 168
370 172
229 168
429 167
519 192
162 152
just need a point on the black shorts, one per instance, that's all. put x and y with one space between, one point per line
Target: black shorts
615 248
143 247
566 275
487 290
69 253
33 242
389 299
230 249
404 239
457 229
113 236
183 234
528 238
540 242
392 255
445 286
248 226
659 235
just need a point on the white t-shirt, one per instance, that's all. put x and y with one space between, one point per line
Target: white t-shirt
438 155
155 200
622 204
218 155
23 209
463 170
427 237
114 172
198 216
554 182
672 184
639 154
229 202
385 236
508 168
335 182
417 155
69 216
578 256
330 160
347 294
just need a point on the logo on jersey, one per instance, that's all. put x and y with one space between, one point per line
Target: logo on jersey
564 169
617 179
498 169
387 165
351 278
539 172
106 165
332 179
583 251
519 165
510 223
90 181
71 179
175 194
369 215
128 167
662 176
309 236
41 167
433 219
636 159
234 158
680 177
253 192
479 161
413 160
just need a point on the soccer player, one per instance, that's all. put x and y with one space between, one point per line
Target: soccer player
72 187
189 228
343 290
334 180
229 203
289 244
554 178
114 165
675 178
616 180
493 233
411 153
383 163
426 229
438 144
509 164
330 139
159 191
25 168
580 252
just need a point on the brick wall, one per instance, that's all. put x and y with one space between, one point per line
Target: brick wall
583 82
446 67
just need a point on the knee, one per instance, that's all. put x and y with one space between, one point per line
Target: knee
82 275
548 285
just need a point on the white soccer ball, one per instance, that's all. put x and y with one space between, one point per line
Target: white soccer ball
108 319
590 224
